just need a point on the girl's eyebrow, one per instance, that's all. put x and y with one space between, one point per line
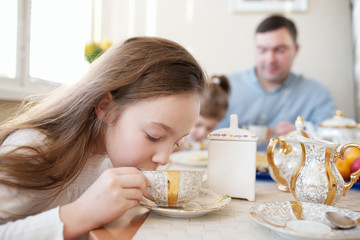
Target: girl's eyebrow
167 128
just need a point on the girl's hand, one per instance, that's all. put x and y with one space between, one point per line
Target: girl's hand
109 197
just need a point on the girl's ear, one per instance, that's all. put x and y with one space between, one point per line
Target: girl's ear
105 102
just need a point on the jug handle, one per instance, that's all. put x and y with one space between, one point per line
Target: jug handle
355 175
270 157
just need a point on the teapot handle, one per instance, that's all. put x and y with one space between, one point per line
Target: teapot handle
353 176
270 157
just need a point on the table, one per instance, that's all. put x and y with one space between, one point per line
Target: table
231 222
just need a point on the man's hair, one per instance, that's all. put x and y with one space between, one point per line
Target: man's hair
275 22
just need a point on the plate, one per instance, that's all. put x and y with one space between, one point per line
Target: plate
207 201
188 158
288 218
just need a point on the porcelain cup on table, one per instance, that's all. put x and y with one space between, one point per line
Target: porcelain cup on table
263 133
171 188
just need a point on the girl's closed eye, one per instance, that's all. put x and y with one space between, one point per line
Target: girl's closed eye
151 138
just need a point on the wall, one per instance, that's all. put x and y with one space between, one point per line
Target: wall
356 36
222 40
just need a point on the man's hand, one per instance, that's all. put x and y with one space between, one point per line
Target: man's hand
283 128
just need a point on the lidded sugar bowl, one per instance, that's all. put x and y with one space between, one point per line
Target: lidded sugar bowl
232 161
339 129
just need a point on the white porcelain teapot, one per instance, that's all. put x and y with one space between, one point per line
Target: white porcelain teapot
232 161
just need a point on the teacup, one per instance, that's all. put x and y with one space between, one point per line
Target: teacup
263 133
173 188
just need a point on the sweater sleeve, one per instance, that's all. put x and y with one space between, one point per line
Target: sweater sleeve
45 225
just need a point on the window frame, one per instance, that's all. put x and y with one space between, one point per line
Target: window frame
23 84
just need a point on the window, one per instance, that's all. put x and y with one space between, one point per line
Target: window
8 43
44 44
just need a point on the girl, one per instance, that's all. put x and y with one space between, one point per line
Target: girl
214 103
72 161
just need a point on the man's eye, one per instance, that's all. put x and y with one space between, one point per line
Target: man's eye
152 138
281 50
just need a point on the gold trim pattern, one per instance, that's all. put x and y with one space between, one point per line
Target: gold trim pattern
270 157
207 201
332 186
297 210
173 187
297 171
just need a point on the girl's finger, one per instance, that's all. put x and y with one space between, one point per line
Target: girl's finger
132 194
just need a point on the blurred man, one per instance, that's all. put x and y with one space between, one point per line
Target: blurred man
270 94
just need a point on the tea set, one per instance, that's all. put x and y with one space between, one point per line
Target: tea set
301 162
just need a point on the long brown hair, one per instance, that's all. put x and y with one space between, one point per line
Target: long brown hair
136 70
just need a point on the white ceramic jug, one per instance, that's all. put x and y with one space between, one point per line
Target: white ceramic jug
232 161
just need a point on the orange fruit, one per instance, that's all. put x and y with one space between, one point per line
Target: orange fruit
351 154
344 169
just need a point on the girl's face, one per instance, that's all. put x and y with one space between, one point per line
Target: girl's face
203 126
145 133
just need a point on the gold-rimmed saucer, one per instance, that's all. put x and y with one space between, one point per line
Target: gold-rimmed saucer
277 215
207 201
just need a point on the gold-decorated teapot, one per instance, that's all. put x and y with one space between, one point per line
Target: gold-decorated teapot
316 177
283 160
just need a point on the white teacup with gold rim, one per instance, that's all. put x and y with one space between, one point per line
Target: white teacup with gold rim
263 133
171 188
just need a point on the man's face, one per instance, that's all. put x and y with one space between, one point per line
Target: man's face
275 52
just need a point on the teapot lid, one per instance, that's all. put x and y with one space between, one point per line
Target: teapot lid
234 133
338 121
299 124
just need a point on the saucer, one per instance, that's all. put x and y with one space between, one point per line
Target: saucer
297 220
188 158
207 201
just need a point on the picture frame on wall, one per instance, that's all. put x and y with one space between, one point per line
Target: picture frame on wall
270 5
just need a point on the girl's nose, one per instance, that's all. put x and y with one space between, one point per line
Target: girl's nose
162 157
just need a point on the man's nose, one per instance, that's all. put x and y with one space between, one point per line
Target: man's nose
270 56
